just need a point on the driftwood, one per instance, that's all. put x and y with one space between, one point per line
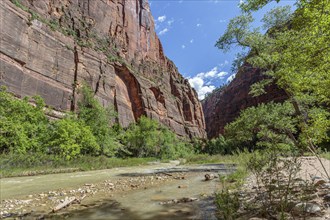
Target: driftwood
66 202
167 174
79 200
179 177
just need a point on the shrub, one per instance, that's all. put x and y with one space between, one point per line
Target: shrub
219 145
264 126
23 127
228 204
71 137
171 146
148 138
141 139
99 119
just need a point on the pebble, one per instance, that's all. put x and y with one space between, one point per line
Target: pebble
314 178
326 186
307 207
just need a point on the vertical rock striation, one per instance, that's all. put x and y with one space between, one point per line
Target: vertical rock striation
49 48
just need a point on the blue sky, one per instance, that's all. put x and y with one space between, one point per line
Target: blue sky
189 29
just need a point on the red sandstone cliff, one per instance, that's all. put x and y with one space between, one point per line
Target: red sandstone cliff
222 107
50 47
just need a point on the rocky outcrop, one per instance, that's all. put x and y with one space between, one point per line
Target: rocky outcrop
224 105
49 48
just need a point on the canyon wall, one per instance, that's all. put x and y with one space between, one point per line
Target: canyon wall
50 48
224 105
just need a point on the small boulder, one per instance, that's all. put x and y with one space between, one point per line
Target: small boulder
209 177
319 182
310 208
326 186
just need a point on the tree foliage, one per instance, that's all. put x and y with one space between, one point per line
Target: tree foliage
294 53
271 125
148 138
70 138
23 127
100 120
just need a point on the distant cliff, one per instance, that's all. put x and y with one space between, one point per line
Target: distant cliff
51 47
223 106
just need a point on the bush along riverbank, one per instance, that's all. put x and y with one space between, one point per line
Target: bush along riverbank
87 139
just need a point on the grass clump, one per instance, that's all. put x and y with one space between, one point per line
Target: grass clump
39 163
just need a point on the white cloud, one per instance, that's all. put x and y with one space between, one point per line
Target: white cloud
224 63
161 18
202 87
183 46
222 20
164 31
230 78
213 73
222 74
198 84
198 25
192 41
170 22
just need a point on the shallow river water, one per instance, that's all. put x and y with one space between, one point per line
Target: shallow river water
155 202
147 203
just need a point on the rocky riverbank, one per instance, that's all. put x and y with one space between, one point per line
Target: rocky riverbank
309 194
44 203
155 187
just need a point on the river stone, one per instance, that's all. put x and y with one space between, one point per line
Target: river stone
307 207
327 198
319 182
326 186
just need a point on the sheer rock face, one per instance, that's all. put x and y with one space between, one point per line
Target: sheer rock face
222 107
49 48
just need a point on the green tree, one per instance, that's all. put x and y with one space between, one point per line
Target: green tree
294 54
70 138
271 125
141 139
23 127
147 138
220 145
100 120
